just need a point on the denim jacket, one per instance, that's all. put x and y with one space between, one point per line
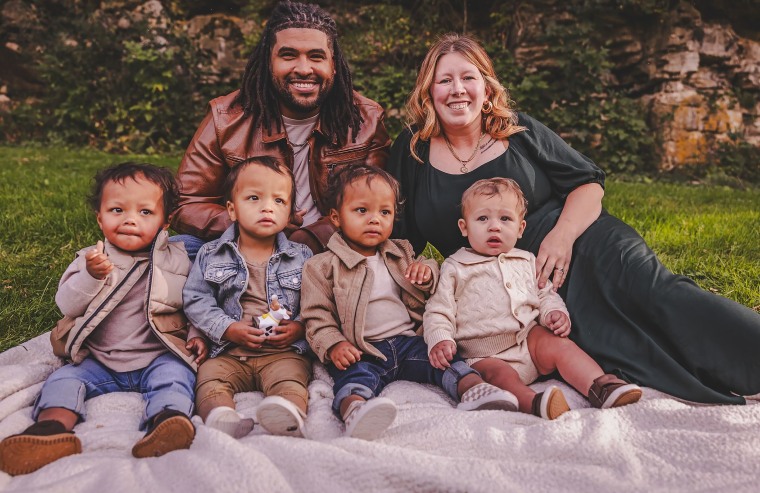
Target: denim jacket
219 278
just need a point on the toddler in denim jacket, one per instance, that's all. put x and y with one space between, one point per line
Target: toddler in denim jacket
230 287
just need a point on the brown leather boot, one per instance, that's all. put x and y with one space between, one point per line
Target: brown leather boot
609 391
169 430
550 404
37 446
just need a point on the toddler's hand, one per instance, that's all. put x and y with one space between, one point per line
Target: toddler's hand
244 335
418 273
286 333
343 355
442 353
198 346
97 263
559 323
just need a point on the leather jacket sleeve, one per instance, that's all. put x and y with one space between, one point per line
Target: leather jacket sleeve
201 174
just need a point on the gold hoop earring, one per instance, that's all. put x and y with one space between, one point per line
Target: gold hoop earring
487 107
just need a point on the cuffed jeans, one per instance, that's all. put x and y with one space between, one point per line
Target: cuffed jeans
166 383
407 359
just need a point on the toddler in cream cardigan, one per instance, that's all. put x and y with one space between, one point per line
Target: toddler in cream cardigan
489 308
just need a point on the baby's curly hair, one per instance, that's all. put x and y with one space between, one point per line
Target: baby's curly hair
344 176
162 177
488 187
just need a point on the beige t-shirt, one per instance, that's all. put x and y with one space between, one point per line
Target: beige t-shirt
254 303
299 132
387 315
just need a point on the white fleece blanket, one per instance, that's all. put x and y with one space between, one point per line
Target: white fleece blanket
658 444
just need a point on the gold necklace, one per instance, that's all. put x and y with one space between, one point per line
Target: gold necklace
464 162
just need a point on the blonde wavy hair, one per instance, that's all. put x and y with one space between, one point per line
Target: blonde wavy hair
499 123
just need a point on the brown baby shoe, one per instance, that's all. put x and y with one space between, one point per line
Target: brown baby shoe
169 430
609 391
549 404
37 446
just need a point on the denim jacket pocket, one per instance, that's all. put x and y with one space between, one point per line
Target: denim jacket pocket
290 285
220 272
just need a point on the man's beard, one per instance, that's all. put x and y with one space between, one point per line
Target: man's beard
301 105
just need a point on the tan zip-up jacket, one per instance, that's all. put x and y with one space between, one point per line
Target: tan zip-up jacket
336 288
168 266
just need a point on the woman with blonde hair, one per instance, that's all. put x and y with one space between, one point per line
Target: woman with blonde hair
629 312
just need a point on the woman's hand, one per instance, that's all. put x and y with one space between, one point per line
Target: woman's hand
554 255
582 207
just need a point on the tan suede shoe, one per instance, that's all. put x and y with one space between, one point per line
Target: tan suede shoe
171 430
38 446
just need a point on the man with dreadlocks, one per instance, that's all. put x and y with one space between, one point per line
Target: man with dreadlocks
296 104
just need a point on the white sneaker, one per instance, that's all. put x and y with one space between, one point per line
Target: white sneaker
369 419
229 421
485 396
279 416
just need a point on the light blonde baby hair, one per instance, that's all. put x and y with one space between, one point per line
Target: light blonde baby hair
489 187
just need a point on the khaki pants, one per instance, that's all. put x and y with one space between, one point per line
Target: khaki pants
219 379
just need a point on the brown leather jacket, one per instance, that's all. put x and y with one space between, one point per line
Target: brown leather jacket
226 137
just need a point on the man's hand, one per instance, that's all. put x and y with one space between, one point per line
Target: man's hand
418 273
198 346
244 335
97 263
558 323
343 355
442 354
286 333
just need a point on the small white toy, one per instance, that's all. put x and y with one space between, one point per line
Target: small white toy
268 321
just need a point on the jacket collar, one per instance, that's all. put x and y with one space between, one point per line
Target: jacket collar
275 136
468 256
351 258
282 246
124 260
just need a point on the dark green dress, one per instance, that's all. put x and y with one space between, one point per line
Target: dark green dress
630 313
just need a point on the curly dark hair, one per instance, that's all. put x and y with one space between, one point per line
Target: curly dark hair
338 113
344 176
162 177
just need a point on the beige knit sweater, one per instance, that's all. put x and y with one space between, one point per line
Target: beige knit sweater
487 304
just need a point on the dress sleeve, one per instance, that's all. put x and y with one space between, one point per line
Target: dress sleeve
404 168
566 168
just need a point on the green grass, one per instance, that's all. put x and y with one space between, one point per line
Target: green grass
708 233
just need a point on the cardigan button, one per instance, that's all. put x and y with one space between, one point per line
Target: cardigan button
509 285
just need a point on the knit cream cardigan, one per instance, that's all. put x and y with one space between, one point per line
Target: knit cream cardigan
487 304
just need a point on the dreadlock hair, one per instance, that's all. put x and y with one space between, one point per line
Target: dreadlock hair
338 112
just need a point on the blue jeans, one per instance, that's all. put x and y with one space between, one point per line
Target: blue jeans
166 383
407 360
192 244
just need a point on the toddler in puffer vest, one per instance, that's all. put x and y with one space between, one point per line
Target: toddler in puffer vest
111 339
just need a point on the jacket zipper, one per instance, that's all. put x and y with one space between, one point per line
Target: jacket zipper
100 307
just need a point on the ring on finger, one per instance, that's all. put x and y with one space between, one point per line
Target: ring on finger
561 269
